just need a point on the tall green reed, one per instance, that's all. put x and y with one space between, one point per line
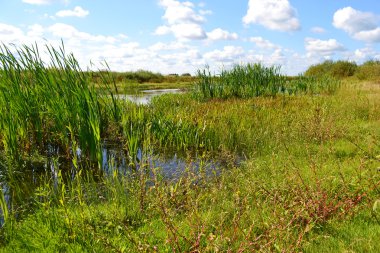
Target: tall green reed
49 103
255 80
244 81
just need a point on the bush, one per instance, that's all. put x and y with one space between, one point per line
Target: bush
341 69
369 70
320 69
338 69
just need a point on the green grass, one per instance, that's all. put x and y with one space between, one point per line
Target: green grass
307 180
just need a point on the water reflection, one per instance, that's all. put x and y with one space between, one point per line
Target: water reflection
145 96
19 188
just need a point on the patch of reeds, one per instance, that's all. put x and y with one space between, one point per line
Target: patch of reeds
242 81
255 80
49 103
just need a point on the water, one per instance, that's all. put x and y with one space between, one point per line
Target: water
145 96
171 165
32 174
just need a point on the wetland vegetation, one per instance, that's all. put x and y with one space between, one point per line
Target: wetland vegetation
269 163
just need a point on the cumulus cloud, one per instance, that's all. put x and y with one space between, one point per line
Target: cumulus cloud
35 30
272 14
44 2
220 34
61 30
323 47
120 55
318 30
188 31
162 30
360 25
228 54
263 43
160 46
76 12
180 12
9 33
182 20
38 2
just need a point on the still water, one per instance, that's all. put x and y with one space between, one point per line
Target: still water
145 96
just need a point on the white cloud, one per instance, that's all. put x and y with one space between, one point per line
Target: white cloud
205 12
160 46
182 20
9 33
228 54
272 14
220 34
263 43
318 30
122 36
76 12
188 31
45 2
180 12
65 31
363 53
369 36
38 2
322 47
120 56
360 25
35 30
162 30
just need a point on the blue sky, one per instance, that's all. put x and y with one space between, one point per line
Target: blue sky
173 36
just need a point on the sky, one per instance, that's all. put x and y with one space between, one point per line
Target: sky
174 36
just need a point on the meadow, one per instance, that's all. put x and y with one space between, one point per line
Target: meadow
273 163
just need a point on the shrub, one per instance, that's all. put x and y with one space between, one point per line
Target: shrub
338 69
369 70
341 69
320 69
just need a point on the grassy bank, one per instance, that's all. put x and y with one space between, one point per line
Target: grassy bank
308 175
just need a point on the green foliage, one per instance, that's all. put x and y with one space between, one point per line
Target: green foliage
369 70
321 69
341 69
337 69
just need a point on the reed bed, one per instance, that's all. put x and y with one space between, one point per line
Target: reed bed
251 80
48 104
255 80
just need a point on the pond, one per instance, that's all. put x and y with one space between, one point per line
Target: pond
144 97
31 174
